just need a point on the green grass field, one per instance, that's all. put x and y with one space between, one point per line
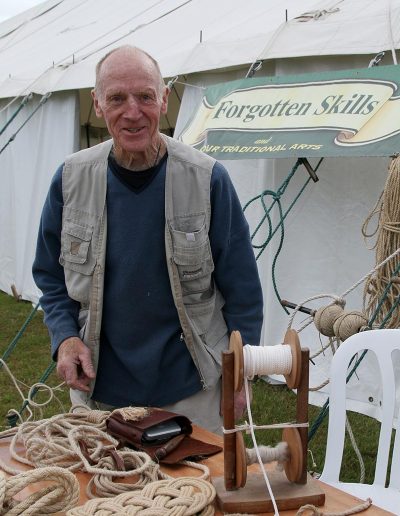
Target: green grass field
271 404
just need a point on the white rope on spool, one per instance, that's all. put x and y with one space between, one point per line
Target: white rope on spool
266 360
250 361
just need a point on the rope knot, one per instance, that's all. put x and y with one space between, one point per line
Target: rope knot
178 496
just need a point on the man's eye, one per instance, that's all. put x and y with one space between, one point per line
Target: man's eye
115 99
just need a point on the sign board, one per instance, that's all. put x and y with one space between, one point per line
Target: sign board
342 113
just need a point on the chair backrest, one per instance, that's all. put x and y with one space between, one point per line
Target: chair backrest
382 343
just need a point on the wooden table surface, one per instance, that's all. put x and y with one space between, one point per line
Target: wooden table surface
335 501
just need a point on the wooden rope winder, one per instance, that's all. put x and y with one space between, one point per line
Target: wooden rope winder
239 492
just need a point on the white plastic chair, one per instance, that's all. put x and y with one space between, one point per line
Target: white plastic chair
382 343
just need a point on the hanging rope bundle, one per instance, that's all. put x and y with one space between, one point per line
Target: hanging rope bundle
60 495
387 242
174 497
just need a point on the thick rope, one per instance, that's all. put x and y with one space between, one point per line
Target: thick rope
61 495
184 496
387 242
78 442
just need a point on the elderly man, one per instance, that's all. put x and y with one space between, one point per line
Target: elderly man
144 258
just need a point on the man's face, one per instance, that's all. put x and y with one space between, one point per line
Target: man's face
129 99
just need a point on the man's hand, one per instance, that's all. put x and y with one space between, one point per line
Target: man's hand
240 402
74 364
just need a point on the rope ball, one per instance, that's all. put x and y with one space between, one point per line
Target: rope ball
348 324
325 317
334 321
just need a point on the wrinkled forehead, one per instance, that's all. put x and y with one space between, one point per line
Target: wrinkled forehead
129 67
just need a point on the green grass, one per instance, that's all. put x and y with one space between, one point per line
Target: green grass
271 403
29 359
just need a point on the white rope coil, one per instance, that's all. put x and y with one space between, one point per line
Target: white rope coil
266 360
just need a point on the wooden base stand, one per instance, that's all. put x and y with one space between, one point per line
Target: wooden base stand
254 497
241 492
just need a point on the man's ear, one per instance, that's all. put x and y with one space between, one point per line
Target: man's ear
97 108
164 100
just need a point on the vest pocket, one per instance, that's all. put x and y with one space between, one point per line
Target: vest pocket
209 324
76 248
192 256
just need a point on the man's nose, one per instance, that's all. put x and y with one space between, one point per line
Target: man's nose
132 108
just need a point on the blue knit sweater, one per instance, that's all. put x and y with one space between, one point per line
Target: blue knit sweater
143 359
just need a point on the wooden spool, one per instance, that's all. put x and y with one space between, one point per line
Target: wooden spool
236 490
293 466
294 377
291 339
236 345
241 461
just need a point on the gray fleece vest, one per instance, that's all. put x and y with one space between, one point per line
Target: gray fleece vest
187 248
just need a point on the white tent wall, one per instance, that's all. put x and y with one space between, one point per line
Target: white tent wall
26 167
323 250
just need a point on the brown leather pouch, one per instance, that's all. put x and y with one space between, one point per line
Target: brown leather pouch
164 435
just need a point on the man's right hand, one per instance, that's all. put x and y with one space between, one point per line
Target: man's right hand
74 364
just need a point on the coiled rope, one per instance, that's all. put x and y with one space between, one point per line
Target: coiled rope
173 497
78 441
62 494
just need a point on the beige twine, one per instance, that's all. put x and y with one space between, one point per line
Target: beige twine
174 497
348 324
325 317
334 321
61 495
387 242
316 512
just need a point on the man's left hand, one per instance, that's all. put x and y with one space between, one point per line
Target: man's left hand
240 402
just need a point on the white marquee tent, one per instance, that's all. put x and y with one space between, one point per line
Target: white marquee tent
53 49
